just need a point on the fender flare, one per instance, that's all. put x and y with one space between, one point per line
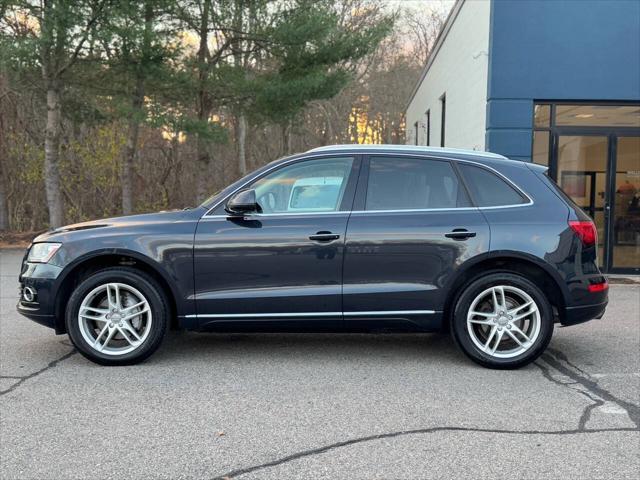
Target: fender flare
103 252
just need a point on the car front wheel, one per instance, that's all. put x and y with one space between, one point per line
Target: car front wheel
117 316
502 320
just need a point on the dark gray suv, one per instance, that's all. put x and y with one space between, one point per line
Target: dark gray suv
342 239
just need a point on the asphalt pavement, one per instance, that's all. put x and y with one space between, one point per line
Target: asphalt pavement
274 406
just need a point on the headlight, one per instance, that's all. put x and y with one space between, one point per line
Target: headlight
42 252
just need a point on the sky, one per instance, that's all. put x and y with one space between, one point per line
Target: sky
417 4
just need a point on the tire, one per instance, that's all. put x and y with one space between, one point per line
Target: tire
124 310
528 317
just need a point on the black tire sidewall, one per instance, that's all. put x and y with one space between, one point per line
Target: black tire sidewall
141 282
463 303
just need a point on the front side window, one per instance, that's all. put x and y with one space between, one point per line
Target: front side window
413 183
488 189
309 186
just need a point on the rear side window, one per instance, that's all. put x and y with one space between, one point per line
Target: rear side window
397 183
488 189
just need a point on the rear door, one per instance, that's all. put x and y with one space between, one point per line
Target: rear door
412 227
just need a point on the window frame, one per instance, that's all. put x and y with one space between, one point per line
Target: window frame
346 205
527 201
359 204
443 117
454 169
357 186
428 115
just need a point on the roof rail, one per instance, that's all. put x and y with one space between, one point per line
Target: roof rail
409 148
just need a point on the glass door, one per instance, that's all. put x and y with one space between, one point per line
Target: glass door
601 173
593 153
582 162
625 205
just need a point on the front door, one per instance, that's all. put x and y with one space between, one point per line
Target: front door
600 171
285 263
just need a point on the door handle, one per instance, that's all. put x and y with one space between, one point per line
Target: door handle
324 237
460 234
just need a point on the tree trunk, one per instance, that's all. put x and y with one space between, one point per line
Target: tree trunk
286 138
202 169
203 106
137 101
242 141
127 168
4 207
131 147
241 59
51 157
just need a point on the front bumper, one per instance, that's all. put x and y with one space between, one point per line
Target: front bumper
42 279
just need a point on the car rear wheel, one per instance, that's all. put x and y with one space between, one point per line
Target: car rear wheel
117 316
502 320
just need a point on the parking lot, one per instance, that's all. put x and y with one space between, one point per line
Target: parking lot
320 406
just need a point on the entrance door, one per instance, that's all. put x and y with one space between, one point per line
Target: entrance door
625 207
601 173
582 174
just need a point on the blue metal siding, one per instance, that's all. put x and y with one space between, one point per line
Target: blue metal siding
557 50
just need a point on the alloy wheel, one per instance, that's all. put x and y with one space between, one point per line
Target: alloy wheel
503 321
114 319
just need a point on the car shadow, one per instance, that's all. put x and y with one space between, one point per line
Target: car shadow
316 347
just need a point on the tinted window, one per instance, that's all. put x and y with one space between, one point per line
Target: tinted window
488 189
407 183
311 186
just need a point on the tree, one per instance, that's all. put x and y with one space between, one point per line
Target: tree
4 207
201 17
141 42
54 43
181 97
305 53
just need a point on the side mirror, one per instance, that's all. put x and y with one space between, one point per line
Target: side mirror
243 202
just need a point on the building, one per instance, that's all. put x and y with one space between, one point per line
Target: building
554 82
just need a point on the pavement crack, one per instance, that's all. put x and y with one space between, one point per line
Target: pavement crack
23 379
581 377
578 380
354 441
586 414
563 358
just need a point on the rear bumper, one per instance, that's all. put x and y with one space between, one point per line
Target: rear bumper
581 314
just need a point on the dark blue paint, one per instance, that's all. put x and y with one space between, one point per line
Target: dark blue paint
557 50
238 266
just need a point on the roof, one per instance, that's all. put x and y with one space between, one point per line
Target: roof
409 149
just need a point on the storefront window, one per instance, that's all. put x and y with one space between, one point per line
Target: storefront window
593 152
598 115
542 116
541 147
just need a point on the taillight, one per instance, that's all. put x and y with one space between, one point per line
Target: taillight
586 231
598 287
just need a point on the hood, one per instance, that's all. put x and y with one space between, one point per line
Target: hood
94 226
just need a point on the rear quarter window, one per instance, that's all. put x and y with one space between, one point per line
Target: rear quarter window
489 189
